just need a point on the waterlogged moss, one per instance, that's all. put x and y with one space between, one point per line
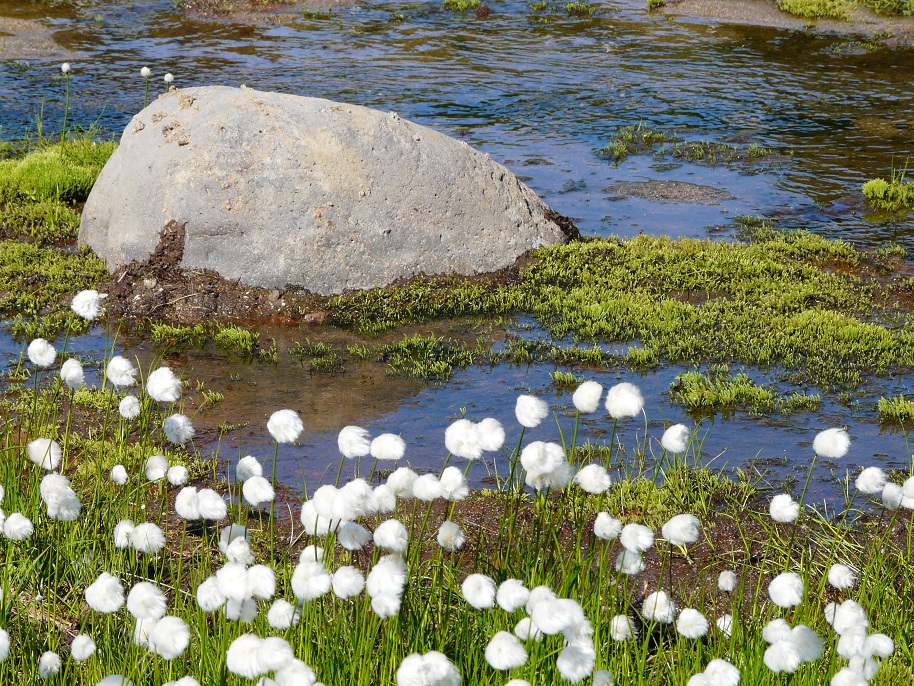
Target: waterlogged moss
897 8
720 390
789 299
814 9
634 139
894 195
231 339
461 5
425 357
36 284
898 410
643 140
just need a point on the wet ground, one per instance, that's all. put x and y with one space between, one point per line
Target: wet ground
543 93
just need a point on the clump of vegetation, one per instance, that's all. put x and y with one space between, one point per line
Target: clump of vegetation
896 410
634 139
322 357
655 4
897 8
581 9
462 6
718 390
894 195
231 339
425 357
814 9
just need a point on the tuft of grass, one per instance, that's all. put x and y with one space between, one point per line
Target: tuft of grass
655 4
896 8
720 390
565 379
462 6
581 9
634 139
814 9
896 410
425 357
894 195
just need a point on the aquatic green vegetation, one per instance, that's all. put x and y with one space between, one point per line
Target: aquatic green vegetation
896 410
462 6
814 9
642 140
718 389
655 4
34 281
230 338
788 299
898 8
634 139
581 9
48 221
565 379
425 357
894 195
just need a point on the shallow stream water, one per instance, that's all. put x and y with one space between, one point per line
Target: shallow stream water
542 97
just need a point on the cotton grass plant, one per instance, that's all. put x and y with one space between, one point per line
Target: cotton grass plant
127 562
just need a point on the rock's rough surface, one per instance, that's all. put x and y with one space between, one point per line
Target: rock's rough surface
277 190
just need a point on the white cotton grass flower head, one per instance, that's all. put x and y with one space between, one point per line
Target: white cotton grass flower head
45 453
658 607
72 374
556 615
622 628
177 475
239 550
636 537
384 499
105 594
786 590
512 595
178 429
401 482
607 527
118 474
48 665
691 623
808 643
726 582
208 595
461 438
247 467
721 673
120 372
776 630
849 616
505 651
168 79
450 536
87 304
353 536
387 447
782 656
526 630
82 648
892 496
587 396
285 426
454 487
427 488
530 411
257 490
629 562
187 504
878 645
575 663
4 644
593 479
479 591
353 441
675 439
431 669
831 444
871 481
310 580
314 524
274 653
129 407
602 677
491 434
147 538
281 614
18 527
347 582
724 624
624 400
392 536
145 72
121 533
41 353
540 457
682 529
146 601
61 501
841 576
156 467
163 386
385 584
783 508
241 656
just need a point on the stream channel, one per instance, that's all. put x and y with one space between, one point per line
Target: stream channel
541 93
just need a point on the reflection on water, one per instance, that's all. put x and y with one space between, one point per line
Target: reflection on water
543 98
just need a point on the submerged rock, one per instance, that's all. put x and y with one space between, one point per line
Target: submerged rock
671 191
277 190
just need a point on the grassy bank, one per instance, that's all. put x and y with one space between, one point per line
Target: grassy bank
546 537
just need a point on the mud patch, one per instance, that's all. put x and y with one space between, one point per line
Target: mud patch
670 191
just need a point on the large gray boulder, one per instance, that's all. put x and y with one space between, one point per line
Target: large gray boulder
277 190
